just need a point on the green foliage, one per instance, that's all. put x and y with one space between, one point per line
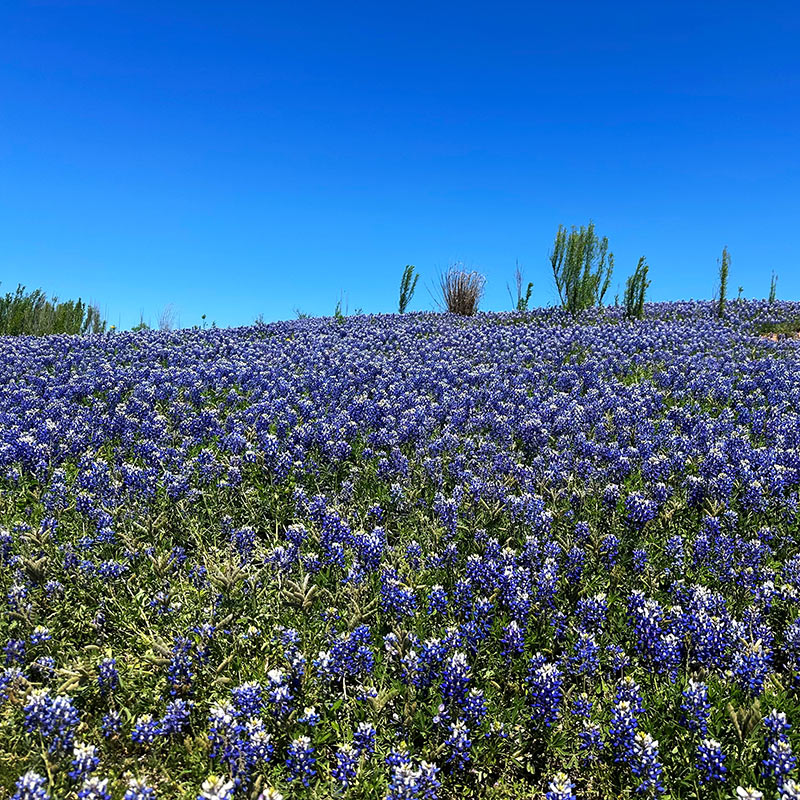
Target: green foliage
582 267
522 300
773 288
408 283
787 327
724 267
33 313
635 290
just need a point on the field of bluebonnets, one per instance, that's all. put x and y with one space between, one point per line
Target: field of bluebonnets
415 556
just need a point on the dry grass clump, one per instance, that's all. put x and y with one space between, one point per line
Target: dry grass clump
461 291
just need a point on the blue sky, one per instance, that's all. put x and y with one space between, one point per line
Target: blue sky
237 159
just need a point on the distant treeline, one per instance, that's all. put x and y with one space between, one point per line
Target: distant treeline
34 313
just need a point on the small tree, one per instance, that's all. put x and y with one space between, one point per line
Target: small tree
408 283
522 300
635 290
773 288
461 291
724 267
582 267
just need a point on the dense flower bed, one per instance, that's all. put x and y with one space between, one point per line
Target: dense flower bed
403 557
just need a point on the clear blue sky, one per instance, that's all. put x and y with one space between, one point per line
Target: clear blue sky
242 158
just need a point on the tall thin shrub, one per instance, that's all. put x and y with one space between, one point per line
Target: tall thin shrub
461 291
408 283
522 300
635 289
773 288
582 267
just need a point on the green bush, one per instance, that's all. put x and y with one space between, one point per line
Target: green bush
582 267
32 313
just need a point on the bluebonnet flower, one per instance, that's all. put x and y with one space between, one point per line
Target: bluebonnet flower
364 739
474 707
31 786
270 794
695 707
180 672
585 659
413 783
573 568
748 793
789 790
609 550
15 651
591 742
146 730
591 612
111 724
108 676
544 683
248 698
84 761
40 635
309 716
437 600
456 677
644 764
777 726
622 729
710 762
344 771
139 790
750 665
300 760
513 640
459 744
779 760
582 706
560 788
176 717
94 789
10 679
55 718
215 788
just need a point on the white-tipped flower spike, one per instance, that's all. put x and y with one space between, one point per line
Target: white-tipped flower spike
215 788
270 794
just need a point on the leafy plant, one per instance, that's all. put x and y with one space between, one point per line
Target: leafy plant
522 300
773 288
635 289
582 267
408 283
461 291
33 313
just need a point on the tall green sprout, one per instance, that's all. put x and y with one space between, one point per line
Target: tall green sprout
582 267
773 288
408 283
635 290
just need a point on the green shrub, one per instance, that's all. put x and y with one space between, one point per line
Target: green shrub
582 267
33 313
